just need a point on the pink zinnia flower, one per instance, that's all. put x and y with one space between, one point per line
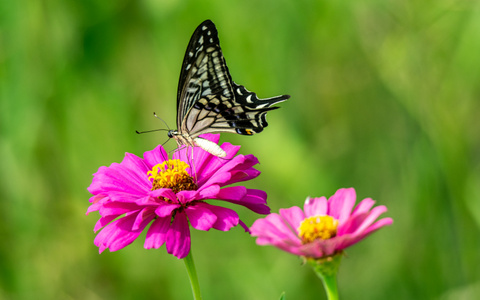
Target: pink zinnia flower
323 228
168 195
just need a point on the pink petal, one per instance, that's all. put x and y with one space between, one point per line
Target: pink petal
207 166
117 177
352 224
374 227
374 214
155 156
219 171
103 221
232 193
178 236
268 228
377 225
166 209
137 170
99 198
359 226
231 150
209 192
201 158
243 175
118 196
341 203
165 193
315 207
358 222
97 203
274 230
286 243
118 208
200 217
364 206
204 163
147 201
319 248
255 200
157 233
186 196
118 234
219 177
293 216
243 170
145 215
225 217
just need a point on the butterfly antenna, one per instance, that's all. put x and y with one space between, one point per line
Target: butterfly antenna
140 132
161 120
146 131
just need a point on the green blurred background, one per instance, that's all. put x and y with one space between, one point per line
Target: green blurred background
384 99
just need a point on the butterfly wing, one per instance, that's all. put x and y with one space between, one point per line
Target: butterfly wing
208 101
215 114
204 71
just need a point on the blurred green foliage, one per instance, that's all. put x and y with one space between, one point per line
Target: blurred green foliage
384 99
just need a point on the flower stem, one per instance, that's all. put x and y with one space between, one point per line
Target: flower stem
330 284
192 274
326 269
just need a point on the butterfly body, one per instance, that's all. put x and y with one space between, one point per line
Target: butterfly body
208 101
187 140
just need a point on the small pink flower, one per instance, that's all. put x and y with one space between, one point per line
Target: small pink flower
323 228
168 195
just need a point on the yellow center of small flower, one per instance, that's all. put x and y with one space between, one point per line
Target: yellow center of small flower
171 174
317 227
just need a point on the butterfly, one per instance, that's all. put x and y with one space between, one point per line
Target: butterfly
208 101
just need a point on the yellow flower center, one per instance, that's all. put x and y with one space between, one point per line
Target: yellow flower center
171 174
317 227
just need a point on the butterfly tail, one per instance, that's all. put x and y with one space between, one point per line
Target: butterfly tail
251 100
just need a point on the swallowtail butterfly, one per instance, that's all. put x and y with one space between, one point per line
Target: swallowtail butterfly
208 101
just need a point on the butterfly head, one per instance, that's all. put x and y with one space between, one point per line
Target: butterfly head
182 139
171 133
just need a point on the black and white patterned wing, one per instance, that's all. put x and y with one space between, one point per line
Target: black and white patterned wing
204 72
255 109
246 115
208 101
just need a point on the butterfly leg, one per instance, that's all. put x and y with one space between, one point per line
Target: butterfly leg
191 162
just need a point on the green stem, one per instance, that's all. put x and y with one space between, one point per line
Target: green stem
192 274
330 284
326 269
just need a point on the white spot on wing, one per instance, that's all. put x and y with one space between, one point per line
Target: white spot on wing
192 90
